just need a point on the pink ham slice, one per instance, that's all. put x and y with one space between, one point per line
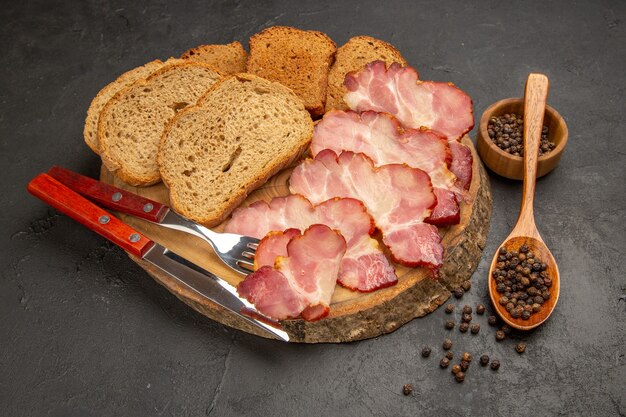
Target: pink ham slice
398 197
381 137
364 266
301 283
435 105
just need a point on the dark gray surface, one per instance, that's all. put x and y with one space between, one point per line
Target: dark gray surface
84 331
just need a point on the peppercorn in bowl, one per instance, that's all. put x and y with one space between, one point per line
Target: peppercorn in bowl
500 140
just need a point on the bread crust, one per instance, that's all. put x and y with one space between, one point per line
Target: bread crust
115 166
230 58
233 200
292 64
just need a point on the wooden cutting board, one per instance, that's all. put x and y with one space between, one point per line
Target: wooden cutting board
353 315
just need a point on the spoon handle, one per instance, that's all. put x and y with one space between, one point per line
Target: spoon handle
535 98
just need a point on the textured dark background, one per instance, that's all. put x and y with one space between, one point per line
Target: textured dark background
84 331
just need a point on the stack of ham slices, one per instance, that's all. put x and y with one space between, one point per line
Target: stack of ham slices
394 162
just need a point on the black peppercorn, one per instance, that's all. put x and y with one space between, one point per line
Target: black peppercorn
426 352
449 355
466 356
458 292
525 315
449 308
520 347
492 320
407 389
456 369
447 344
467 309
463 327
480 309
466 285
475 328
449 324
506 329
460 376
464 366
484 360
466 318
500 336
444 362
495 364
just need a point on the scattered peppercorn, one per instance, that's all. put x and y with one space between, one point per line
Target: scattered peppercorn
456 369
459 376
407 389
444 362
492 320
458 292
449 324
464 366
495 364
475 328
466 285
500 336
464 327
507 133
520 347
450 308
447 344
480 309
484 360
426 352
466 356
449 355
467 309
466 318
506 329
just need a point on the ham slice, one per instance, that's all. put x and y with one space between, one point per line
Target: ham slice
398 197
381 137
435 105
364 267
301 283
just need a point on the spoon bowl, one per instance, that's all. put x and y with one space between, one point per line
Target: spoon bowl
525 230
541 252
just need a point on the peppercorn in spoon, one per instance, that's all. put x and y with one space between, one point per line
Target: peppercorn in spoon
524 277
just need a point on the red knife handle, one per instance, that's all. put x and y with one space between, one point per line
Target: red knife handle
109 196
85 212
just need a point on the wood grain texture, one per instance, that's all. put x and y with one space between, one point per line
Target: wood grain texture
525 231
353 315
507 165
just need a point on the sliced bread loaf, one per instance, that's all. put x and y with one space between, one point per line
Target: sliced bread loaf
229 59
90 131
242 131
296 58
352 56
132 122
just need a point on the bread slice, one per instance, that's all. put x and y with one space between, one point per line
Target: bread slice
229 59
242 131
352 56
90 131
296 58
132 122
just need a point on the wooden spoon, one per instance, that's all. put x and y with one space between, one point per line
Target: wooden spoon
525 230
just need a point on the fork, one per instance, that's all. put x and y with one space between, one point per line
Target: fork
236 251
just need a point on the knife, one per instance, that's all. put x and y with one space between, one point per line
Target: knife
192 276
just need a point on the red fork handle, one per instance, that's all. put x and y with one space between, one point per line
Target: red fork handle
46 188
109 196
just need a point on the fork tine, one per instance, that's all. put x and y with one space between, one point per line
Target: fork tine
248 255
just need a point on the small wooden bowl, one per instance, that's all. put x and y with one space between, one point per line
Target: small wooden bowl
511 166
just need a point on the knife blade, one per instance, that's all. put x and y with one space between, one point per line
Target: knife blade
199 280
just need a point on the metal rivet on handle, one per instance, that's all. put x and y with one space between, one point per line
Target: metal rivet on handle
134 237
116 196
148 207
104 219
